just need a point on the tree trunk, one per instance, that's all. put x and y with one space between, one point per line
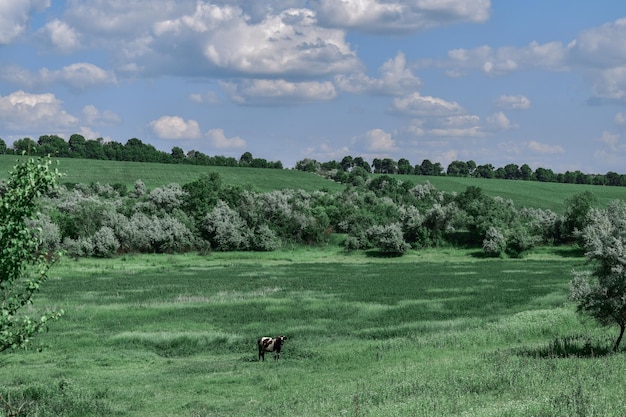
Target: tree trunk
622 327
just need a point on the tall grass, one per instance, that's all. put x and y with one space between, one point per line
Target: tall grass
430 336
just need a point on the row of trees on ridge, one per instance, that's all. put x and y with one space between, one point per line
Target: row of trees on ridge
137 151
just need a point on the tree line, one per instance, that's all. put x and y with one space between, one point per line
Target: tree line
136 151
339 171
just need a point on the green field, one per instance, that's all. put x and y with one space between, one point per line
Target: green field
522 193
434 333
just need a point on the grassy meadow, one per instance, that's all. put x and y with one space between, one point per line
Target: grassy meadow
434 333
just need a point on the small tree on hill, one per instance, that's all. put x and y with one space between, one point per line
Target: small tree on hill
20 256
601 291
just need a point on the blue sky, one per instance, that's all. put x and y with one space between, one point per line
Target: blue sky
536 82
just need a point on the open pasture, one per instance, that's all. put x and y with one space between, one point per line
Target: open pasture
429 334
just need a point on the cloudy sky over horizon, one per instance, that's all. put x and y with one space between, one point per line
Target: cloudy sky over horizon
537 82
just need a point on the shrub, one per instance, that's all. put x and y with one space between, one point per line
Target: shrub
388 239
494 243
225 228
104 243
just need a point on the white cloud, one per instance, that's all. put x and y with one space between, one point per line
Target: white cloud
80 75
60 36
610 84
417 105
513 102
601 46
21 111
220 141
15 15
175 127
377 140
77 76
215 38
620 119
395 79
396 16
499 121
612 140
93 116
210 97
550 56
544 148
255 92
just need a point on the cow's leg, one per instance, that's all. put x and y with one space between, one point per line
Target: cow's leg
261 355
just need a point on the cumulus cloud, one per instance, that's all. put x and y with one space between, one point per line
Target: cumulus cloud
395 79
398 16
513 102
375 140
175 127
612 140
499 121
77 76
599 47
22 111
550 56
417 105
93 116
15 15
60 36
219 140
620 119
219 38
277 92
544 148
210 97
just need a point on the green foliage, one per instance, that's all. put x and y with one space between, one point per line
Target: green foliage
576 214
601 291
388 239
20 252
494 243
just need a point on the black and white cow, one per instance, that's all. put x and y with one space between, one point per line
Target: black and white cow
270 344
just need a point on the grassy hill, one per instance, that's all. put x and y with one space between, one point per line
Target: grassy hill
522 193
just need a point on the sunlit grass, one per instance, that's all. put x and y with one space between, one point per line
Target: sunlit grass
176 335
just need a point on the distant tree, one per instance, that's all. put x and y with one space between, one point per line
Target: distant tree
26 145
484 171
178 155
426 168
53 145
404 167
94 150
471 167
511 172
526 173
77 146
458 169
258 163
360 162
601 291
245 159
3 146
377 164
347 163
389 166
437 169
613 178
500 173
19 254
202 195
308 165
544 175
